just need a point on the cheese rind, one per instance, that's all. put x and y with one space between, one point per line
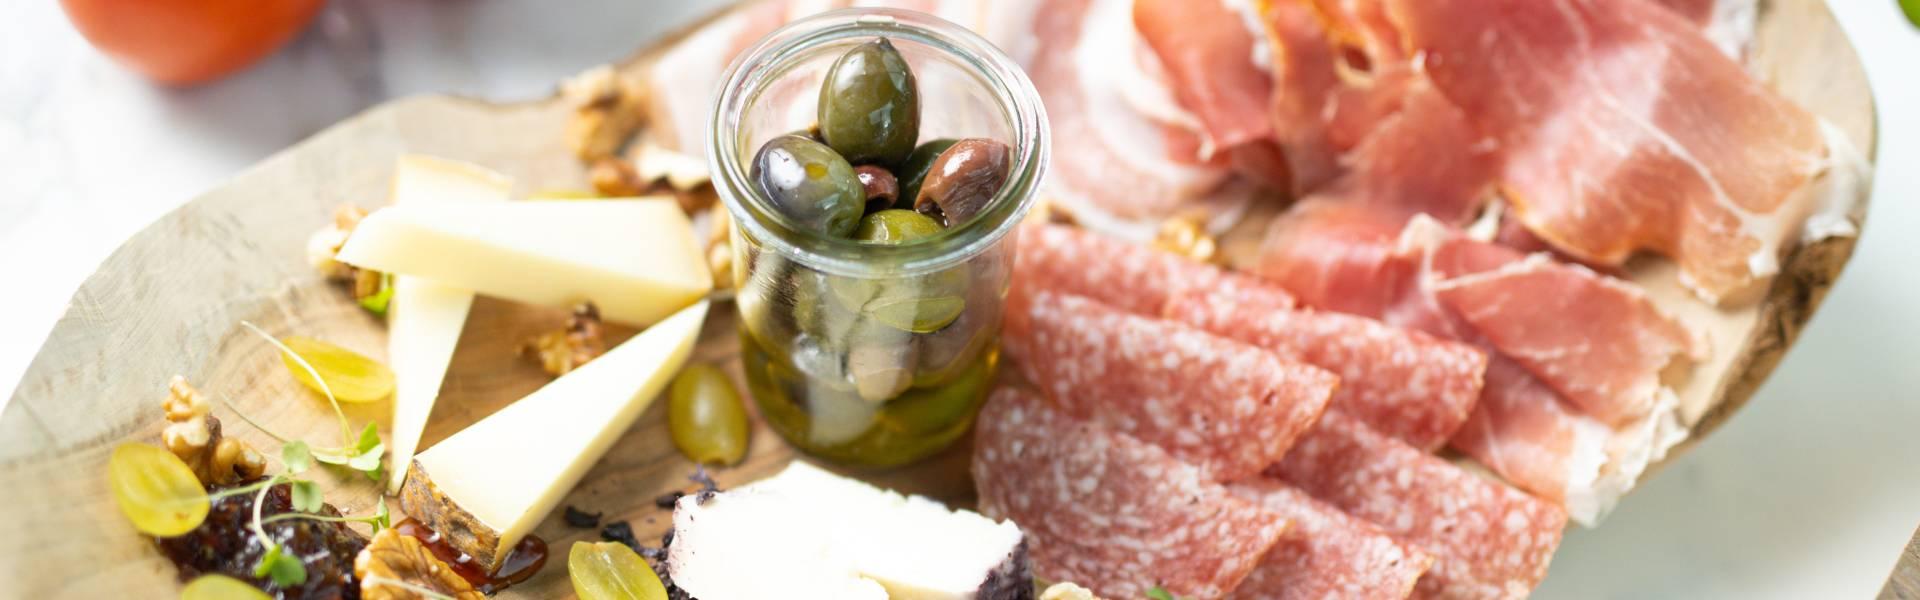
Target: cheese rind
487 486
637 260
425 317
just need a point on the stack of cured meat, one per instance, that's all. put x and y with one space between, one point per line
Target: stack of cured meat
1443 295
1196 430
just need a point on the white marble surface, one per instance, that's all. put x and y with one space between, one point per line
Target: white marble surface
1810 492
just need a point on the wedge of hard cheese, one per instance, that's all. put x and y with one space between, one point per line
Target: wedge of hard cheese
426 316
637 260
491 483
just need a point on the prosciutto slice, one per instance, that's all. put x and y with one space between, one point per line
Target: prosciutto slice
1623 128
1339 256
1125 154
1598 341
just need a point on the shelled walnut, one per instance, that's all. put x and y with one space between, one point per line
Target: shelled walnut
562 351
325 244
1186 236
193 434
394 556
608 109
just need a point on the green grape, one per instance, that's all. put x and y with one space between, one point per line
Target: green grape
611 571
705 416
351 376
156 490
221 587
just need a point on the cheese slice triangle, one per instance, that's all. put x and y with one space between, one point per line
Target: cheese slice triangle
636 259
425 317
487 486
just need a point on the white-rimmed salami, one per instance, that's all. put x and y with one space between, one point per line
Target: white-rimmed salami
1110 512
1130 277
1488 540
1229 408
1406 384
1325 553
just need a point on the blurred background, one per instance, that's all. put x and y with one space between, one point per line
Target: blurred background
1810 492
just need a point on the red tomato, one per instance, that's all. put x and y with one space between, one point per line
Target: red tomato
184 42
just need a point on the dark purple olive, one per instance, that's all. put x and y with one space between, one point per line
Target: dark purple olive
963 180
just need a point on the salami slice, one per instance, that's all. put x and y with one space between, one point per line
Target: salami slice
1131 277
1488 540
1325 553
1108 511
1229 408
1406 384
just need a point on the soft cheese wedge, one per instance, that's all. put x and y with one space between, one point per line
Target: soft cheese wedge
807 533
425 317
491 483
637 260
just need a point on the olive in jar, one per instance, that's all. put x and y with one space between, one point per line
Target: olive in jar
895 226
914 171
963 179
811 184
870 105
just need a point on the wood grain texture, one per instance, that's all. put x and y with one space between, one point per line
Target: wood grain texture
1904 583
169 302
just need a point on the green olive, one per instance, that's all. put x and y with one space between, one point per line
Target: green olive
896 226
914 170
919 304
881 371
810 184
870 105
705 417
924 410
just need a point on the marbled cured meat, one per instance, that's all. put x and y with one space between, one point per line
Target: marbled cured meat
1345 257
1622 128
1325 553
1124 159
1488 540
1130 277
1598 341
1228 408
1208 53
1407 384
1110 512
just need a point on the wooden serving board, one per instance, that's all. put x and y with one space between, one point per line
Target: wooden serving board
170 301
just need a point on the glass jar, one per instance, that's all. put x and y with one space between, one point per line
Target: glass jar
868 354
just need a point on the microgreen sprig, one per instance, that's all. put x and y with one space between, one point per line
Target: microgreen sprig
360 454
276 564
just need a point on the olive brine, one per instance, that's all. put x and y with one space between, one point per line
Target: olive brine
882 368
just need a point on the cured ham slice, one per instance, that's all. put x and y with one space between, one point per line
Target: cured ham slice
1425 158
1623 128
1341 256
686 76
1228 408
1488 540
1125 154
1110 512
1407 384
1131 277
1599 342
1209 54
1325 553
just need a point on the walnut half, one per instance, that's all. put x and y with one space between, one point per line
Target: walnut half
193 434
392 556
607 109
325 244
562 351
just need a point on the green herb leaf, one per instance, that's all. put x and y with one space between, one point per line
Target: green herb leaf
306 496
381 518
1159 593
266 561
297 456
286 570
331 456
369 438
369 459
378 302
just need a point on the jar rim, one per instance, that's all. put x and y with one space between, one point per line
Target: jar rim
764 63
